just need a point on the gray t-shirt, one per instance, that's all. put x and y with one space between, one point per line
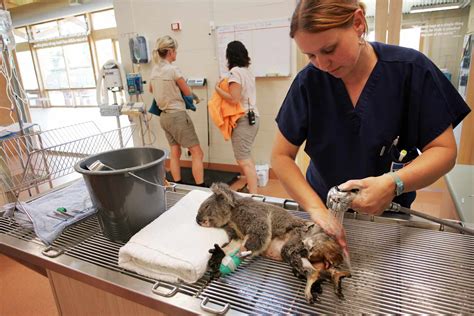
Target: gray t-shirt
246 79
165 90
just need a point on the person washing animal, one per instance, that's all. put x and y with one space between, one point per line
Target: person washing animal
168 86
364 110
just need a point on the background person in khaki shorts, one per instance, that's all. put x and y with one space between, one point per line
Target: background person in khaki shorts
242 90
167 83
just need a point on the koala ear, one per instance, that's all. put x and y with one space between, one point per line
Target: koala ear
223 190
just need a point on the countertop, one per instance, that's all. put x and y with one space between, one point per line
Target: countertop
399 266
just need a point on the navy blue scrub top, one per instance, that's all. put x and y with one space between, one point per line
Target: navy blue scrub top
406 95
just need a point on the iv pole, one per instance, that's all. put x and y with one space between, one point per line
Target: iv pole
19 106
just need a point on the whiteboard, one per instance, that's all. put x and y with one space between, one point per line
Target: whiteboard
268 44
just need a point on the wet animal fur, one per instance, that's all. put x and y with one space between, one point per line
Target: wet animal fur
306 247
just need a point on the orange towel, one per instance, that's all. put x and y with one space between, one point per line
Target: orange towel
223 114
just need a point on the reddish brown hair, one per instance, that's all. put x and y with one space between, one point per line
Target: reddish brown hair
320 15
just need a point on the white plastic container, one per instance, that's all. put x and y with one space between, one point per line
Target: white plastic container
262 174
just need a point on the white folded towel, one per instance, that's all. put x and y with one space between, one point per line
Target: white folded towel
173 247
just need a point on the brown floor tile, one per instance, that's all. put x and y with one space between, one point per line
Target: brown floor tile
24 292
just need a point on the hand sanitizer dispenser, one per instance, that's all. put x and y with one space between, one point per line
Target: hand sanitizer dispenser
139 49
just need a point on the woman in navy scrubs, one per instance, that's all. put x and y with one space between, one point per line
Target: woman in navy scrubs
364 110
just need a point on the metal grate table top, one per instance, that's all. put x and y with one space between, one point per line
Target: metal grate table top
396 269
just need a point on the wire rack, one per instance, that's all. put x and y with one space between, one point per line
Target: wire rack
37 158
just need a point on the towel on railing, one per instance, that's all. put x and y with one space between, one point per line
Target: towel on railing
47 223
173 247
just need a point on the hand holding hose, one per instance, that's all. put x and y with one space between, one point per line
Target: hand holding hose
372 194
340 200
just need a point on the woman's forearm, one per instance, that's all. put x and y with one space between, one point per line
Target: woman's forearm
438 157
295 184
225 95
427 168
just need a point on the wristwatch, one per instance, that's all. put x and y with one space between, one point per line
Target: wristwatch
399 185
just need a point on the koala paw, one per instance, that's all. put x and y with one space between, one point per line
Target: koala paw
310 298
215 261
316 287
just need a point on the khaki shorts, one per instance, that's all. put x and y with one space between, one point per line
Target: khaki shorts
243 136
179 129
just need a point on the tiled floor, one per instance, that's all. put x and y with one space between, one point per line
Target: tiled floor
25 292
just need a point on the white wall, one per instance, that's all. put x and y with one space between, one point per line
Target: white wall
197 58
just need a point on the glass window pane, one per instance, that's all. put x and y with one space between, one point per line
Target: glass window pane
78 58
370 17
85 97
442 37
103 20
53 69
437 34
34 98
45 31
105 51
73 25
410 37
20 35
27 70
117 50
61 98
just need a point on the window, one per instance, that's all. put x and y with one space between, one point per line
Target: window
28 76
103 20
34 98
53 67
27 70
75 25
45 31
105 51
20 35
63 97
85 97
78 60
410 37
67 56
117 50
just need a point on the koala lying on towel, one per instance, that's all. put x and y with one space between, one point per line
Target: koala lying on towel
271 231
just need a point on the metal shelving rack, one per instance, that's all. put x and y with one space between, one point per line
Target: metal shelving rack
32 161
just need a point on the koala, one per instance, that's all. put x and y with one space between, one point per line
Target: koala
271 231
246 218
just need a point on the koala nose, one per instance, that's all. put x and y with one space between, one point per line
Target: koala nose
198 220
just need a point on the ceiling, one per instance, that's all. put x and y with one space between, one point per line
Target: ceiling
407 4
370 4
12 4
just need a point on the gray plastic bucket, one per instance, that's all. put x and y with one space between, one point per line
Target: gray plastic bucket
132 194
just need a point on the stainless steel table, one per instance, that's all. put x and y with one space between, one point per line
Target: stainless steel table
399 267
